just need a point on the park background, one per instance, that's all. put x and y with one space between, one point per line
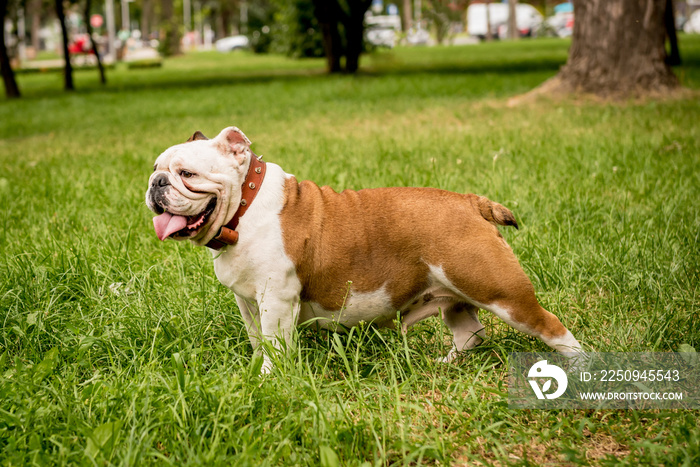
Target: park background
117 348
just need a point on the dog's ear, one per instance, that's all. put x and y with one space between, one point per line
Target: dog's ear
234 142
234 136
196 136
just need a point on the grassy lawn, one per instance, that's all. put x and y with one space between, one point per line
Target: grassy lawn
120 349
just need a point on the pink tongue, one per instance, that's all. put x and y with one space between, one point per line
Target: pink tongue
166 224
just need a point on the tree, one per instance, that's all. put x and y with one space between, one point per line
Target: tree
34 10
68 68
442 14
147 18
225 14
95 52
327 16
8 75
617 50
406 16
489 32
287 27
343 30
170 25
674 56
513 32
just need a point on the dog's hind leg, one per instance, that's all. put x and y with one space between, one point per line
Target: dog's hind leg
463 320
529 317
499 285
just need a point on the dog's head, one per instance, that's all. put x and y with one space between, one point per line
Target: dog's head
196 186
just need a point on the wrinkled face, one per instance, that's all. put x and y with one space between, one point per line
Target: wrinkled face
196 186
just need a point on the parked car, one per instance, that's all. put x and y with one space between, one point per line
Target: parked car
229 44
382 30
562 22
528 19
692 26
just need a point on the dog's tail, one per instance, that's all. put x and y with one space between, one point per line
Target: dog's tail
494 212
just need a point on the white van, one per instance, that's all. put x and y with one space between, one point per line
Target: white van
528 19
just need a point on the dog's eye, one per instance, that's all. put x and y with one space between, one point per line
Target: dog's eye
155 167
186 174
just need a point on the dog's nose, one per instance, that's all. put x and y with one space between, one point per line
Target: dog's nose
160 180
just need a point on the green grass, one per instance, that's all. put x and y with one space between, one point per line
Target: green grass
119 349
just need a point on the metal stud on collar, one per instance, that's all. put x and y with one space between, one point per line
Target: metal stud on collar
258 170
243 202
252 185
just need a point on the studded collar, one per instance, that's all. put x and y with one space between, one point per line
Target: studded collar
228 235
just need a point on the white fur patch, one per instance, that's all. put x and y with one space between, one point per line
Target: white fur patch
566 343
257 268
368 306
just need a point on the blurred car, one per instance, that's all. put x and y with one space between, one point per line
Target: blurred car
562 22
417 36
382 30
381 37
229 44
692 26
528 19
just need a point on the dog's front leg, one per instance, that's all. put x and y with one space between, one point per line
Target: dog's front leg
251 318
278 318
272 320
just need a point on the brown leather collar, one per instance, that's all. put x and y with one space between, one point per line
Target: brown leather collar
251 186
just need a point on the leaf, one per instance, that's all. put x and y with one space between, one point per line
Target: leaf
47 365
179 367
689 354
328 457
103 438
546 385
31 318
87 342
256 363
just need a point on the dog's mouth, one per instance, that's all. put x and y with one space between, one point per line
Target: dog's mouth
169 225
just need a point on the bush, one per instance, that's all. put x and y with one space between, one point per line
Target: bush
288 28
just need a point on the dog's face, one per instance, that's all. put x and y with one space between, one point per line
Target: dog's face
196 186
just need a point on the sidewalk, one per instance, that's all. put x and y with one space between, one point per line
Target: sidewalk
89 61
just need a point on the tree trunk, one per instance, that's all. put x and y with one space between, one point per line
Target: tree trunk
332 43
489 33
674 57
406 21
329 14
35 9
617 49
513 32
225 15
101 69
354 35
8 75
146 19
68 69
171 28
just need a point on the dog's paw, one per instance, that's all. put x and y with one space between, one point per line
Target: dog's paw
266 367
449 358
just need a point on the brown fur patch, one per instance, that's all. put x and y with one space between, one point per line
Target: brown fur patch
388 237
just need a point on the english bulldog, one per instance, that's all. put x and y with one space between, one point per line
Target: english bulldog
292 251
